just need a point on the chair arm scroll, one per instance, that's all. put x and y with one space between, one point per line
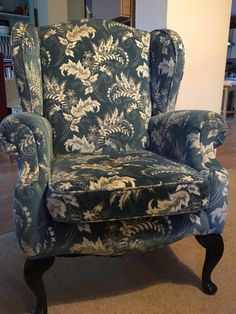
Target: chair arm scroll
188 136
28 136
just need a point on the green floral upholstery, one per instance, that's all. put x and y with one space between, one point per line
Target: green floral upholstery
191 137
122 185
166 69
95 74
29 74
105 166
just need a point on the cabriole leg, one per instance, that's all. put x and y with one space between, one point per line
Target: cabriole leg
34 269
214 245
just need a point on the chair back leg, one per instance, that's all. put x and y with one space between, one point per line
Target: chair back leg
214 245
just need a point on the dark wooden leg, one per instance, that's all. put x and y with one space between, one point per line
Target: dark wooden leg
214 245
34 269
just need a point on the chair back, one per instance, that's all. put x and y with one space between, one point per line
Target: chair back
92 79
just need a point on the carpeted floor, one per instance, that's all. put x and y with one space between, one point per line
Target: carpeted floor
165 281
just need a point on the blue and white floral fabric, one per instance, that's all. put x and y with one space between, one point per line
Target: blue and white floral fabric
105 165
191 137
122 185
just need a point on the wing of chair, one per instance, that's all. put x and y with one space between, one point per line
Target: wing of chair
105 164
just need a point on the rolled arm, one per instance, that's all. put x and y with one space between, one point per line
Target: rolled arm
29 137
187 136
191 137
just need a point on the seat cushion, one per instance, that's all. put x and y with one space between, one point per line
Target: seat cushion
121 185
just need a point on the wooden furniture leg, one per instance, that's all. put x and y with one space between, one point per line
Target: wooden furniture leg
34 269
214 245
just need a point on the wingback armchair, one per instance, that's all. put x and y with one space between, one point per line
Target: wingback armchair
105 164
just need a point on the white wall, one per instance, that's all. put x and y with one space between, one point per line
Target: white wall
57 11
203 26
106 9
75 9
151 14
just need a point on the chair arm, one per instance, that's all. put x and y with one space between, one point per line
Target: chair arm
187 136
190 137
29 137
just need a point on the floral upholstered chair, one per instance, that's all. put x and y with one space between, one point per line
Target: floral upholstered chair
105 164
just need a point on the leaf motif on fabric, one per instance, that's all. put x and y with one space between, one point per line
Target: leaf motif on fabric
79 110
54 90
52 235
193 141
213 133
218 215
129 230
157 138
124 87
93 213
15 50
195 219
90 247
63 40
144 44
71 200
143 70
22 35
26 141
79 144
124 197
75 35
29 251
56 207
83 227
167 67
34 82
27 175
26 217
176 202
109 50
111 125
75 69
111 183
192 189
79 32
80 72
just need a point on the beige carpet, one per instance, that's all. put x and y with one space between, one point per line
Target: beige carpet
165 281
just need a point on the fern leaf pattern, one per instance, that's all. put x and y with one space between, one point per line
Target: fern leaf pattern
53 90
101 104
109 51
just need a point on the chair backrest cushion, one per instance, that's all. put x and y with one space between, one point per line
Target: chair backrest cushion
96 88
98 82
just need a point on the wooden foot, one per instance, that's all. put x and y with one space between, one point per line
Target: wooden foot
214 245
34 269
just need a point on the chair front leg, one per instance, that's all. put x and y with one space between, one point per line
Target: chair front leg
214 245
34 269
